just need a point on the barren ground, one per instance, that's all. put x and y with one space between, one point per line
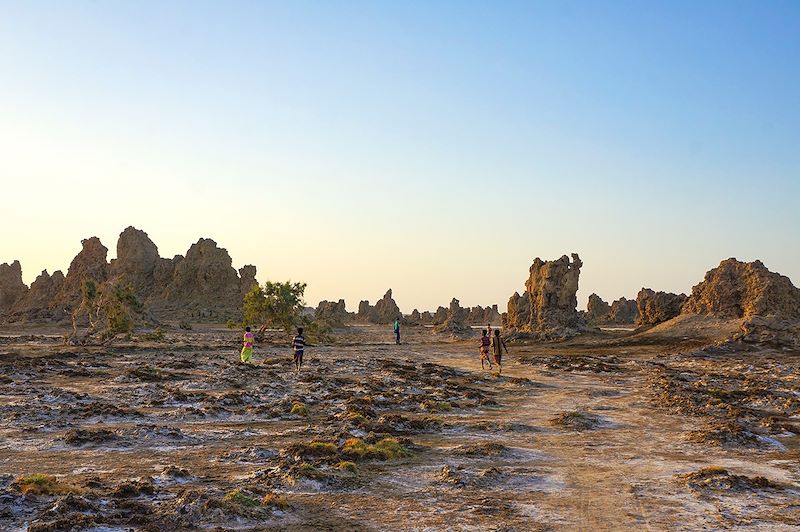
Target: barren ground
605 432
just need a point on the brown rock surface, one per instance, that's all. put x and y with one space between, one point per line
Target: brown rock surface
38 303
333 313
483 316
89 263
623 312
656 307
454 324
737 289
137 260
547 308
767 302
11 286
384 311
597 310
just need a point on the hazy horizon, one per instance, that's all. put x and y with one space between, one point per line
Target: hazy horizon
435 149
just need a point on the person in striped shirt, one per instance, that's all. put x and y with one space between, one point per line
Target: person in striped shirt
299 345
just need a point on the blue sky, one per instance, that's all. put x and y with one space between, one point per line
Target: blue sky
432 147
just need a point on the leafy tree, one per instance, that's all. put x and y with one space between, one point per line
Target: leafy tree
278 305
110 309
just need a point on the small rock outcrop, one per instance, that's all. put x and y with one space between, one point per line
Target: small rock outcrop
623 312
548 307
440 316
12 288
657 307
620 312
332 313
597 310
454 324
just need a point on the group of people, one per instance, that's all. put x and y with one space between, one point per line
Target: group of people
490 344
298 346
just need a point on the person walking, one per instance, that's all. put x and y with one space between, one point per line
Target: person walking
485 343
247 349
498 345
397 331
299 346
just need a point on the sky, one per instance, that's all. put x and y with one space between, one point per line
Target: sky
431 147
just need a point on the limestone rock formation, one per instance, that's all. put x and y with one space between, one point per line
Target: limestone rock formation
136 262
656 307
454 324
11 286
768 302
597 310
439 316
247 278
737 289
37 303
620 312
384 311
623 312
204 284
201 286
333 313
89 263
483 316
547 308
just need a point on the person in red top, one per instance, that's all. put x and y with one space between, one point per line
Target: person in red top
484 345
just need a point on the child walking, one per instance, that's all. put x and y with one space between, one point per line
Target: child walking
247 350
484 345
498 345
299 345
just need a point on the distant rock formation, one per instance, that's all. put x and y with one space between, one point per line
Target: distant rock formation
483 316
454 324
657 307
333 313
620 312
623 312
547 308
597 310
737 289
768 302
89 263
11 286
202 286
384 311
37 304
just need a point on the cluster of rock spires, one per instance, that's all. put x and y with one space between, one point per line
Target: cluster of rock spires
767 303
203 285
547 309
620 312
452 318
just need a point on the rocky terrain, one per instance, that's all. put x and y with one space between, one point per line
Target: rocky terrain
333 313
547 309
620 312
455 322
657 307
385 310
201 286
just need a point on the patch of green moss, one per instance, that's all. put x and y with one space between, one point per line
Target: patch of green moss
348 466
385 449
41 484
241 498
299 409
